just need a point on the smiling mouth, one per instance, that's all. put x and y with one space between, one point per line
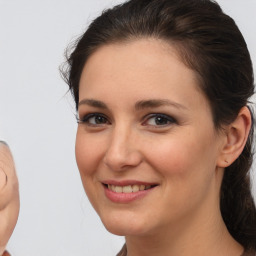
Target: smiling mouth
129 188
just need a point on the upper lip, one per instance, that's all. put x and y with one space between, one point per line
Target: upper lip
127 182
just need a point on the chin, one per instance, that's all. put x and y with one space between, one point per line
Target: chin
124 231
124 226
116 230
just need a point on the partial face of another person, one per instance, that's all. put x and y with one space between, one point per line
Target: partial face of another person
9 196
146 145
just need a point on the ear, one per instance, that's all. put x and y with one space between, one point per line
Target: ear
235 138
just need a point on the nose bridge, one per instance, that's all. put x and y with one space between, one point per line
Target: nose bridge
122 151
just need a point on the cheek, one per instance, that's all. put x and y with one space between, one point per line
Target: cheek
88 153
170 156
88 158
187 170
184 157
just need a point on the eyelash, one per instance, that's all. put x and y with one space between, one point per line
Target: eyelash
162 117
86 118
170 120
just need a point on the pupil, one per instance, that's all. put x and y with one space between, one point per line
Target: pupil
161 121
99 120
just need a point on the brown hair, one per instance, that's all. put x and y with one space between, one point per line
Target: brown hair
211 44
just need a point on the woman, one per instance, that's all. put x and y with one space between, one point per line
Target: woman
164 131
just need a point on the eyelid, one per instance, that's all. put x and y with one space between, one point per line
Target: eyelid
169 118
86 117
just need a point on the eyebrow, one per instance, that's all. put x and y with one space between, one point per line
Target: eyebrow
154 103
93 103
139 105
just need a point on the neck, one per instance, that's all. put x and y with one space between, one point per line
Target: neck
204 233
224 245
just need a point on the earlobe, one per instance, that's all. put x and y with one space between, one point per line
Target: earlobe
236 135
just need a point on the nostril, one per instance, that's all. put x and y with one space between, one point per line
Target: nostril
120 162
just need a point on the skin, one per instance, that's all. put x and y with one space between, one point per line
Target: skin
9 196
182 153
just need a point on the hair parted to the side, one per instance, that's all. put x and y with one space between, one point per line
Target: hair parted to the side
210 43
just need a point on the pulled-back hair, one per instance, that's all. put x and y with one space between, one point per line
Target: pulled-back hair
210 43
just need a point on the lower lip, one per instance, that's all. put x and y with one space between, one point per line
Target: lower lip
125 197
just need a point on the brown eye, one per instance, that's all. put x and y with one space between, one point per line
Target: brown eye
94 119
159 120
97 120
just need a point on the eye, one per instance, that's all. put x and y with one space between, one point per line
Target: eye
159 120
94 119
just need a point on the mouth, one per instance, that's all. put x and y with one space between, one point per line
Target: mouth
127 189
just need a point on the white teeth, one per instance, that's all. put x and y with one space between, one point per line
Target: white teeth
135 188
118 189
129 188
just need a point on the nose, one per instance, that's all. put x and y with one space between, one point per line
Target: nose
123 151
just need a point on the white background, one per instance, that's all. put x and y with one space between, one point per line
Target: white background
37 119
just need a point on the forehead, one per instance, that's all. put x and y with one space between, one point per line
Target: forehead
144 67
147 53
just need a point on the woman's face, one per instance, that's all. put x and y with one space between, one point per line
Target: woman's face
146 146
